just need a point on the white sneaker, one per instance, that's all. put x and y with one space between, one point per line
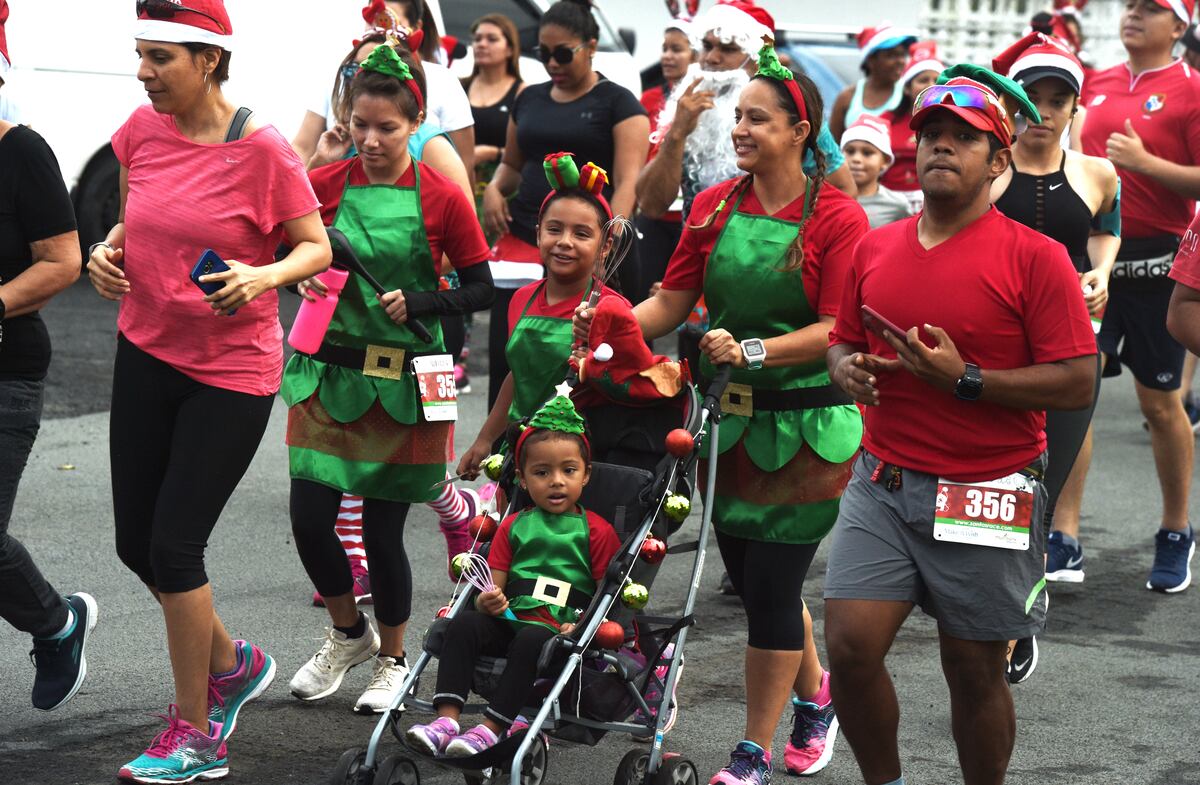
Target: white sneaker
386 682
322 674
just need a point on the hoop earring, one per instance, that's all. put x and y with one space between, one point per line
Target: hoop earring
207 84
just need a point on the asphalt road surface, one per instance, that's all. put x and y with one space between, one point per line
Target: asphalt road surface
1114 699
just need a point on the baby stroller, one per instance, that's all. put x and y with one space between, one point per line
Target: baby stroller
584 691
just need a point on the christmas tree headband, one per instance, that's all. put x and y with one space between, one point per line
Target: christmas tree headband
384 60
565 176
770 67
558 415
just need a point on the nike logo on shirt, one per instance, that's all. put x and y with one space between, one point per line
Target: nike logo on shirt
1056 185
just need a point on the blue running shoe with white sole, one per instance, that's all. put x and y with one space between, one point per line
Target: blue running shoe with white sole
229 692
179 754
1064 560
1173 552
61 662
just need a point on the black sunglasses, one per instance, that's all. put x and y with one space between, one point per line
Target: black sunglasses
165 9
561 54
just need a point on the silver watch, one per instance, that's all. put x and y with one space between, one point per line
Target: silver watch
755 352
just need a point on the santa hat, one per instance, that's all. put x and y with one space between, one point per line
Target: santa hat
922 57
4 63
874 132
737 21
1184 9
199 22
886 36
1037 56
621 367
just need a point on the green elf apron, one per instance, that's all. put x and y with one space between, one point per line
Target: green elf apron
551 556
364 434
780 474
537 352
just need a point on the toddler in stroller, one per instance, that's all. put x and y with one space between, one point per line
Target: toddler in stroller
550 551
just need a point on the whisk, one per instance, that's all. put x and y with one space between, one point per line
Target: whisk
475 571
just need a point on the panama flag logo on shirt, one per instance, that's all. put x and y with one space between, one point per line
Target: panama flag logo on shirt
1155 102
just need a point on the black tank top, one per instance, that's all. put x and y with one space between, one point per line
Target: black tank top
491 122
1048 204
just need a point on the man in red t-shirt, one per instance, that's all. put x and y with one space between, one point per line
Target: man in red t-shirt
944 507
1145 116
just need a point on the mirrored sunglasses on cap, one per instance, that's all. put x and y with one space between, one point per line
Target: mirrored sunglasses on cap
967 96
165 9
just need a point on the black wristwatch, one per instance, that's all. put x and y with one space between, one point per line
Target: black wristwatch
970 385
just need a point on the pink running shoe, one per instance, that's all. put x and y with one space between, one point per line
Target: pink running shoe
362 586
472 742
748 764
814 732
432 738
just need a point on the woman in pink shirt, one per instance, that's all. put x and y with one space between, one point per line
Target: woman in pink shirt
195 375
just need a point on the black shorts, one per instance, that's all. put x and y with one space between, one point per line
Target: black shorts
1134 331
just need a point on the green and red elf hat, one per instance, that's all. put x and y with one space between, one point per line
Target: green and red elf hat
557 414
564 174
384 60
770 67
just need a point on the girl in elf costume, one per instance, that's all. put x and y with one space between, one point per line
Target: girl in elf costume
357 421
770 252
569 235
555 539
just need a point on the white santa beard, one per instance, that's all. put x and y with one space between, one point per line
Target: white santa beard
708 156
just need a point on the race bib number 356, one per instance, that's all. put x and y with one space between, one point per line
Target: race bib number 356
996 514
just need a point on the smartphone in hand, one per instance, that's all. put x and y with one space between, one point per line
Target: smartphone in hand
876 323
209 263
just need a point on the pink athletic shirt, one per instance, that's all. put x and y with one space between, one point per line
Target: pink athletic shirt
185 197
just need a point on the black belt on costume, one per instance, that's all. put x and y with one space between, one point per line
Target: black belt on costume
382 361
563 593
789 400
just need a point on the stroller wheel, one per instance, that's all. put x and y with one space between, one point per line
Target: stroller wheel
632 768
676 770
533 768
350 770
397 770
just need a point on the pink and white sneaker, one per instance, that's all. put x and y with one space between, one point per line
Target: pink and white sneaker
181 753
814 731
433 737
473 742
362 586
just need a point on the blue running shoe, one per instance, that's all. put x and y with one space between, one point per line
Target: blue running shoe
179 754
749 764
228 692
61 662
1172 570
1064 560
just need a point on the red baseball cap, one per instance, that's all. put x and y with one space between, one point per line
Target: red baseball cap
1184 9
193 22
971 101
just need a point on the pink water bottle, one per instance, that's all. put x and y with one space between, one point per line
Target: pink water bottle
308 331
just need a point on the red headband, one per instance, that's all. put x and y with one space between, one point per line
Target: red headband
525 435
793 88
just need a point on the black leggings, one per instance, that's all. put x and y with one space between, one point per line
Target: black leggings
1065 432
314 509
471 634
178 448
769 577
497 340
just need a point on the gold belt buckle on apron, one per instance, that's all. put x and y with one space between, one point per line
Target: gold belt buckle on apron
544 587
738 399
384 362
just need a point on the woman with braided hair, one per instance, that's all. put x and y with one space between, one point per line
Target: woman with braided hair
769 252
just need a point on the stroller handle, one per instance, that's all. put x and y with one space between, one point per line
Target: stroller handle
716 388
344 256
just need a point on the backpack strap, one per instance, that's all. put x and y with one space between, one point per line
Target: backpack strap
238 125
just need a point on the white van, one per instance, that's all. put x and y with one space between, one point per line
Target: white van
74 73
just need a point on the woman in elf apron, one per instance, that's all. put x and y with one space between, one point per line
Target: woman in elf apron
770 252
359 420
569 234
553 547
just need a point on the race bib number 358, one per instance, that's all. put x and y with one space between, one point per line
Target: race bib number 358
995 514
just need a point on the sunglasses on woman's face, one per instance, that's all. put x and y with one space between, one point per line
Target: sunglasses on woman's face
561 54
165 9
349 70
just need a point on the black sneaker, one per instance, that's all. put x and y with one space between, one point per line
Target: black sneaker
1024 660
61 662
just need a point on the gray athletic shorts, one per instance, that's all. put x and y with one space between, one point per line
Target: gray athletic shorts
883 549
